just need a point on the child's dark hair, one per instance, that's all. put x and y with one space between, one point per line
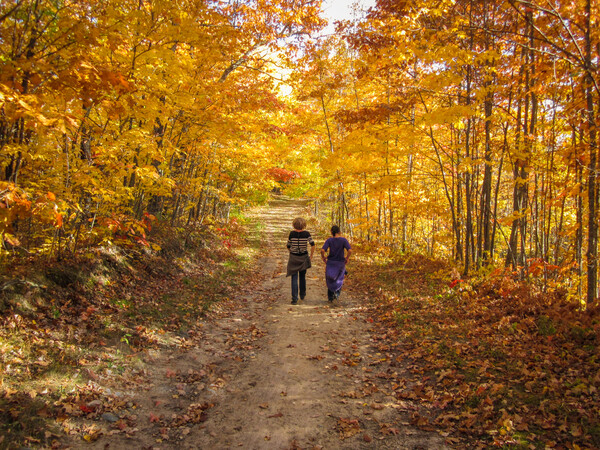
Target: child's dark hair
335 230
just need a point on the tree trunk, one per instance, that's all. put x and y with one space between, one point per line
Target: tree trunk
592 251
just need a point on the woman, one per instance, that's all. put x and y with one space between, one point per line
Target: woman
335 262
299 261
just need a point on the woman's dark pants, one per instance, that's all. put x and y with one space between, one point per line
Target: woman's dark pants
302 285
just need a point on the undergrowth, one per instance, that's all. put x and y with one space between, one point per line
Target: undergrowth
70 326
493 361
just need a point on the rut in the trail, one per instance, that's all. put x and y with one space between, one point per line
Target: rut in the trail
278 376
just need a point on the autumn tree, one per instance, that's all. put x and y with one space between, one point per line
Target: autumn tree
492 111
116 112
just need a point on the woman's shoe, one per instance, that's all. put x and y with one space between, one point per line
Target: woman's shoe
294 302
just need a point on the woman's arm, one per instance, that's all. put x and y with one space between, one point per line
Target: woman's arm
348 253
323 256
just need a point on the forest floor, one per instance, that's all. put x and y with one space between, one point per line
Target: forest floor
144 354
263 373
126 350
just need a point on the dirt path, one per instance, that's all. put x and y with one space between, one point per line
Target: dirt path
271 375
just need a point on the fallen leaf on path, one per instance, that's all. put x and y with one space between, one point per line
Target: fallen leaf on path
263 406
86 409
279 414
91 437
419 420
348 427
295 446
387 429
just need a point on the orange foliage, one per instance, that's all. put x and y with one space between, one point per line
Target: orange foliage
282 175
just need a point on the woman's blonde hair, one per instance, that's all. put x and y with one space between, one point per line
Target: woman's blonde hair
299 223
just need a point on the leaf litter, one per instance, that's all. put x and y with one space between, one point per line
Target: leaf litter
157 370
492 361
